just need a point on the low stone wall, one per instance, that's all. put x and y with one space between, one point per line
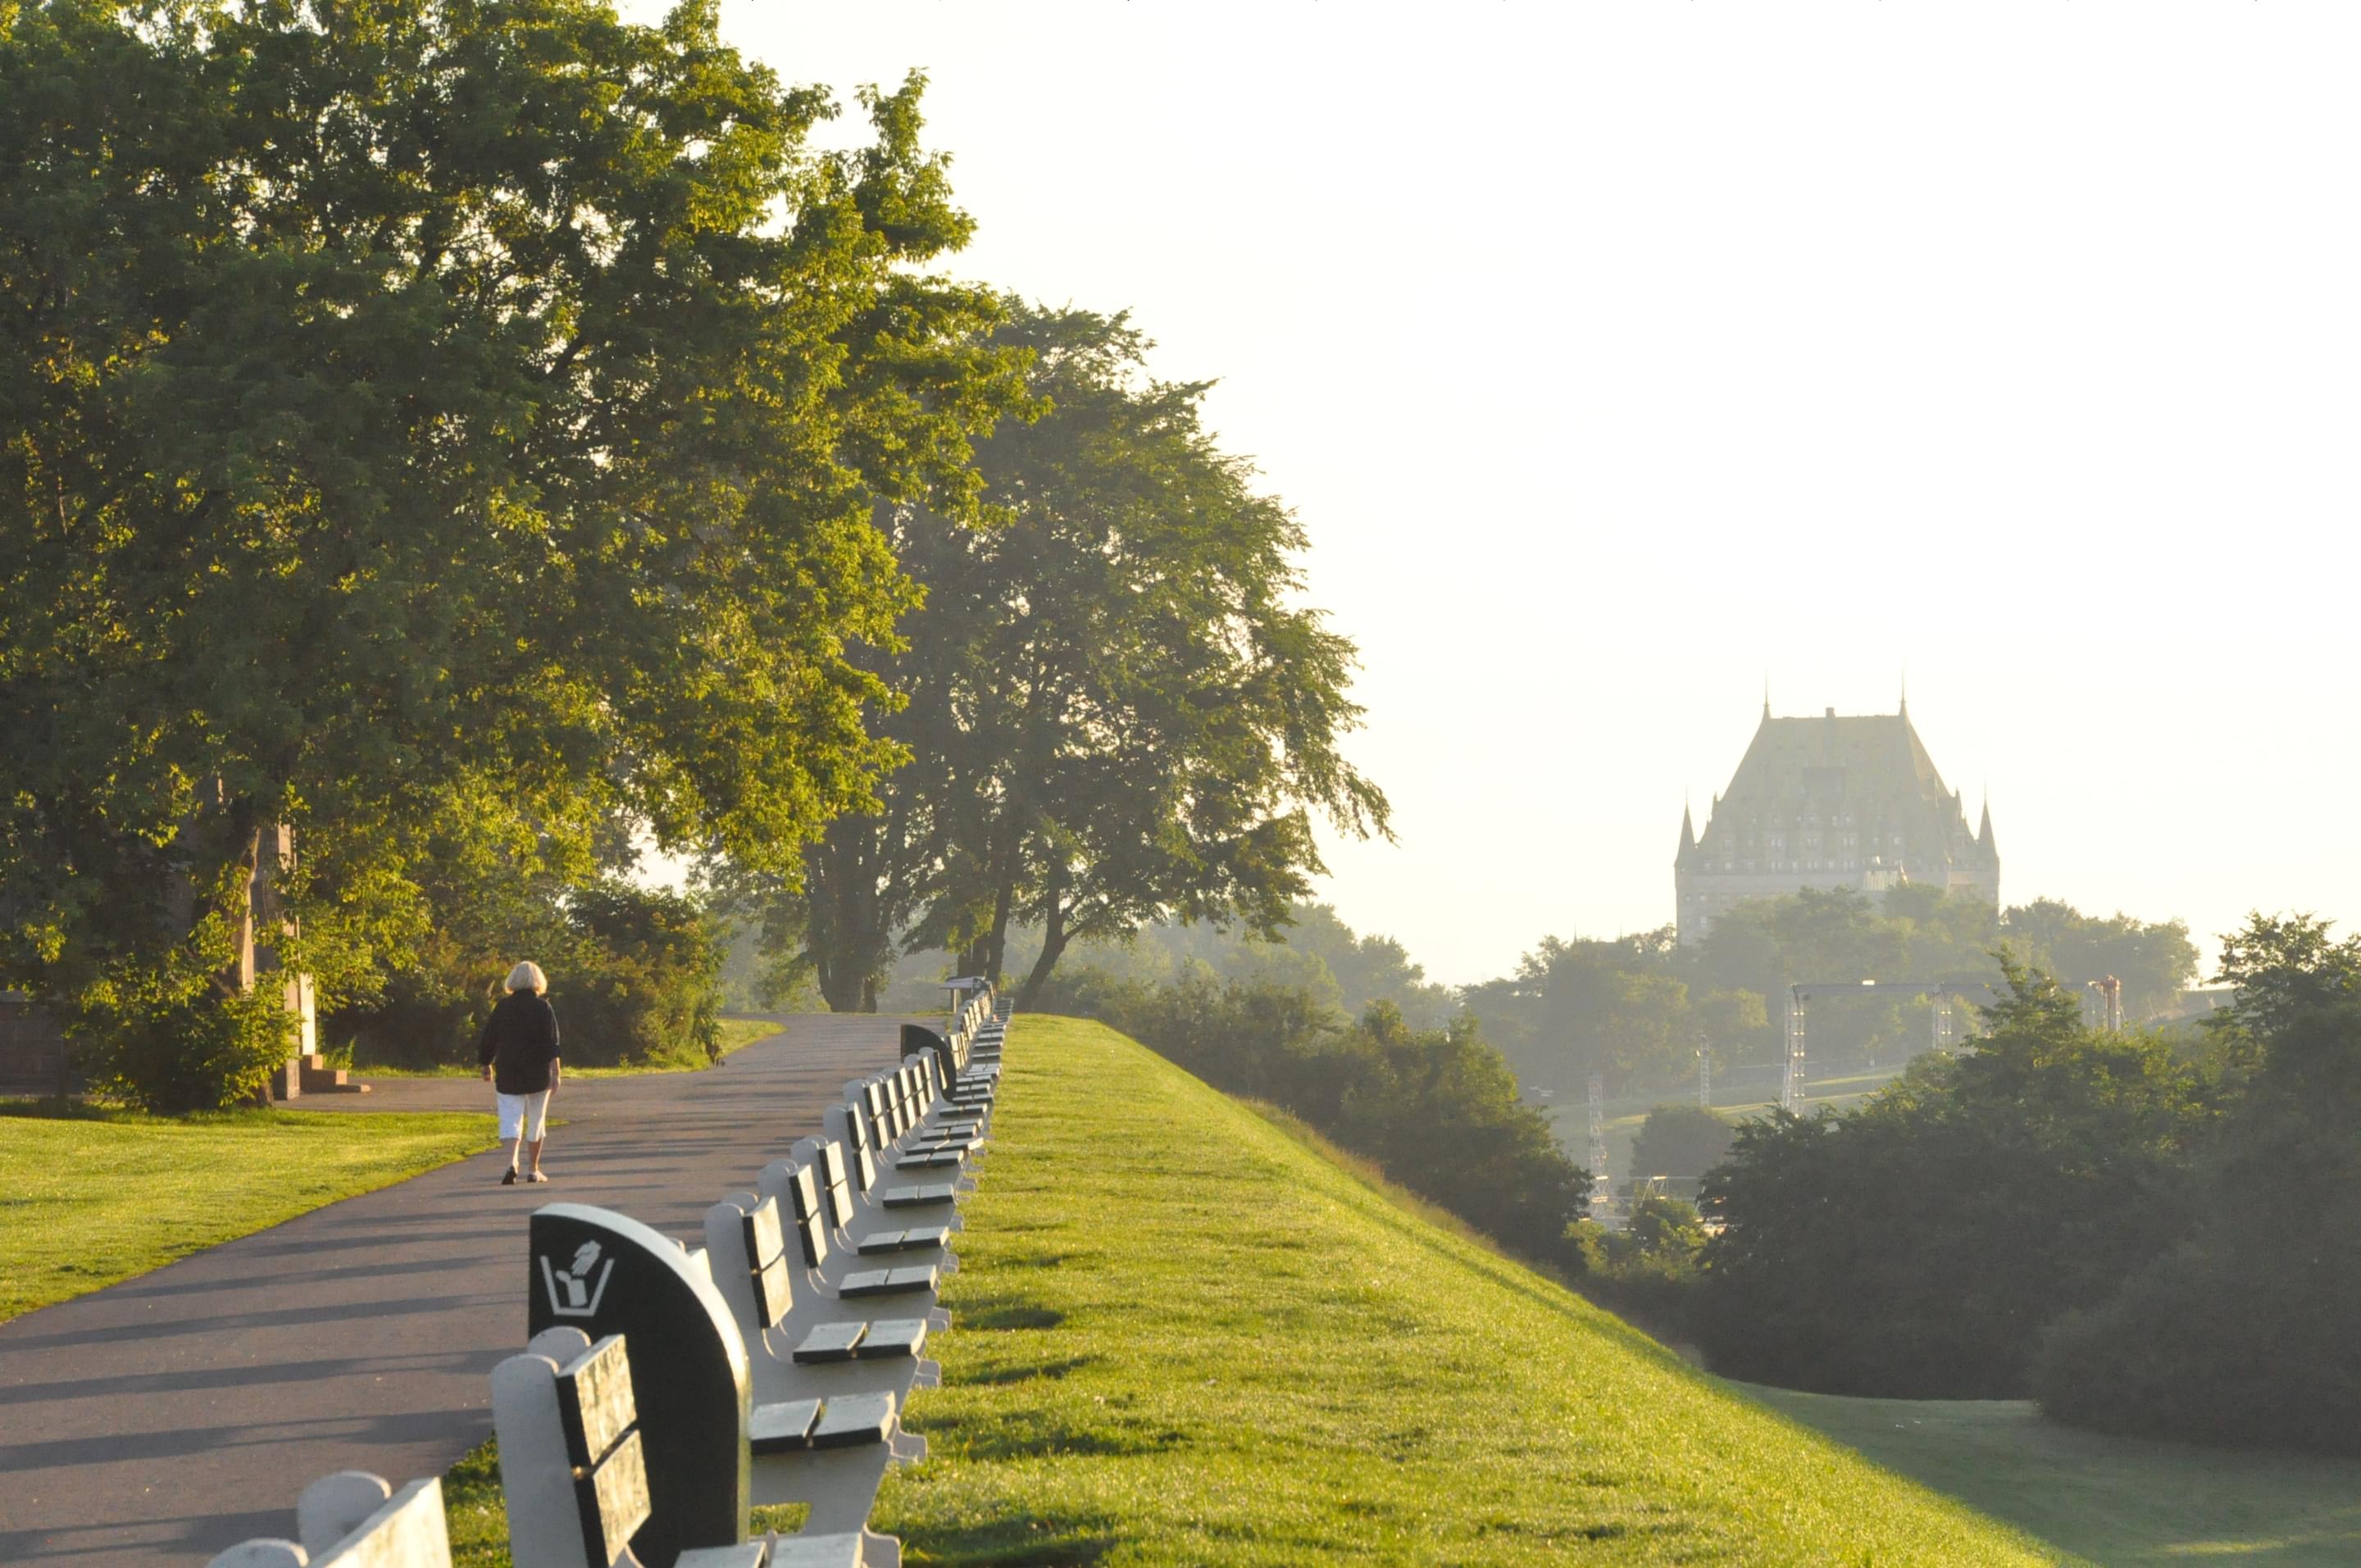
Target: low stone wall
32 1051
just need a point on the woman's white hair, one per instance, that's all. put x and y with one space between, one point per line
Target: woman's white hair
527 976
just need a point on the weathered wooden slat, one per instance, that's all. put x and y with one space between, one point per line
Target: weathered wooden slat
853 1420
812 1552
748 1554
886 1281
805 1191
614 1498
773 1294
782 1427
830 1343
765 1234
890 1338
813 1236
594 1401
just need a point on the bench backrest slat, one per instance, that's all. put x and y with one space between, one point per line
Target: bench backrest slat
766 1261
811 1225
599 1418
838 1191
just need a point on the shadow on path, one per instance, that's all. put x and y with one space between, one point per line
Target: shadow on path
162 1420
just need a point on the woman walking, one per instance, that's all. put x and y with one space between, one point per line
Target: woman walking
518 1052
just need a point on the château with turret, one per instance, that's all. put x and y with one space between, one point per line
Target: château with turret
1826 802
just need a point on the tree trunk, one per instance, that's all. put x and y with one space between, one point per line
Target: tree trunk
843 912
1053 943
1005 860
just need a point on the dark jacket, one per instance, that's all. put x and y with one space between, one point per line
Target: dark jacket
520 1042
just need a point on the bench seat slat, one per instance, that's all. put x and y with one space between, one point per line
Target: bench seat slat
926 1193
830 1343
811 1552
782 1427
886 1281
854 1420
890 1339
749 1555
916 1239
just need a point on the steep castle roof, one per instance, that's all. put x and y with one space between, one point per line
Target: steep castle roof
1851 793
1879 755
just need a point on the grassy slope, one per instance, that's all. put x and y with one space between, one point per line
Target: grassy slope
1183 1338
2116 1501
139 1191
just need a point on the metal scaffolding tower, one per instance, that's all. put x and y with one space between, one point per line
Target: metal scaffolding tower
1601 1194
1705 1078
1791 1087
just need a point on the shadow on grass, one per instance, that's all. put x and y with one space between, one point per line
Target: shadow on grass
1050 1370
998 1313
1031 1541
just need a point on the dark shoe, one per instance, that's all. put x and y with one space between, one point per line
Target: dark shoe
508 1177
536 1175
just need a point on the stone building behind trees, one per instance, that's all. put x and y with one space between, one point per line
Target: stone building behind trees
1827 803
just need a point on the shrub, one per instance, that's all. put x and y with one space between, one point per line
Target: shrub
2245 1333
200 1051
633 972
1648 1270
649 988
1437 1109
1682 1141
1916 1247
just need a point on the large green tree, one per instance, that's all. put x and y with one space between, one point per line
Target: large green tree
409 408
1119 710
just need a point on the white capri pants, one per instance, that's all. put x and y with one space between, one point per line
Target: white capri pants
524 1113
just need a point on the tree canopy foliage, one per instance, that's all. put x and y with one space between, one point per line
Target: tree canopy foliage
1916 1247
413 409
1681 1141
1118 711
2244 1333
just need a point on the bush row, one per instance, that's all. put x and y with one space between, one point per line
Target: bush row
1437 1109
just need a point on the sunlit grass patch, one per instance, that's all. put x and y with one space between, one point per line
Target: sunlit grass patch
1183 1336
89 1197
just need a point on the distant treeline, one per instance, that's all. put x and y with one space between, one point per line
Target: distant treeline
1636 1008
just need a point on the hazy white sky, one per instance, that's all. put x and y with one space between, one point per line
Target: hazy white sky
1617 356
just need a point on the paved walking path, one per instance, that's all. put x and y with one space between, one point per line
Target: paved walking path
162 1420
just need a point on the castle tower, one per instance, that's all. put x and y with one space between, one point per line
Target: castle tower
1827 803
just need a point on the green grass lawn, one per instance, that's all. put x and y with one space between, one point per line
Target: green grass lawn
137 1191
736 1034
1184 1337
2115 1501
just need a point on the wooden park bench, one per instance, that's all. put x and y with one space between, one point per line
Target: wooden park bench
711 1451
866 1137
855 1226
802 1346
573 1467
